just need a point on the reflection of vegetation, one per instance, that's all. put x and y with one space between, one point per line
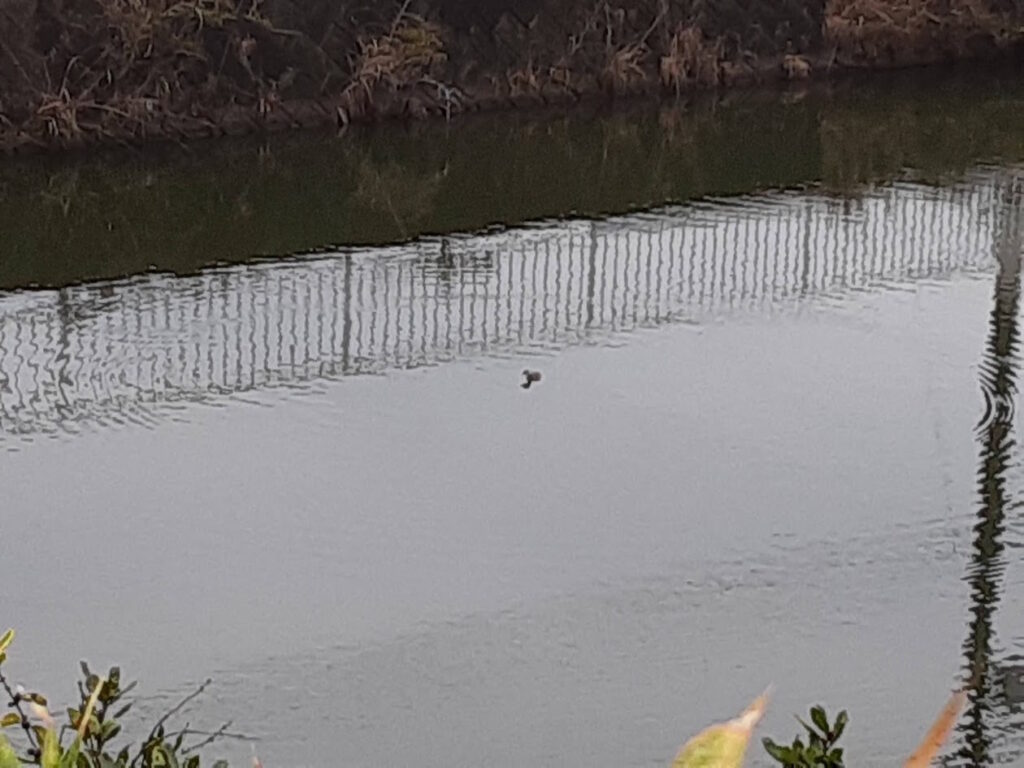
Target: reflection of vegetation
114 214
865 142
998 384
88 738
387 188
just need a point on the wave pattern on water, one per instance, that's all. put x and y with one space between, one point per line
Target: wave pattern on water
135 351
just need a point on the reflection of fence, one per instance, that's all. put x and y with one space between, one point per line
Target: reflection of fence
111 351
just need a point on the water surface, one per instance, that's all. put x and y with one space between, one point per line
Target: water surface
261 422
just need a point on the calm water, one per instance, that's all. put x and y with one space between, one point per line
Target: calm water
260 421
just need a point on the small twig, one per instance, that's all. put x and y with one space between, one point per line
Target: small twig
401 15
187 731
220 732
16 703
181 705
17 63
608 27
168 715
654 25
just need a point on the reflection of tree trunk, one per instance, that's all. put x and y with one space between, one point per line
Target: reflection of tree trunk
995 434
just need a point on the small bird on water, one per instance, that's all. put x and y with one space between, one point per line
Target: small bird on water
532 377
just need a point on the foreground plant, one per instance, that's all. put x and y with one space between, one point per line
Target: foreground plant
86 740
94 725
725 745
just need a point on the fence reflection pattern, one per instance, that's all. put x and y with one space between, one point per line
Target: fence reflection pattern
106 353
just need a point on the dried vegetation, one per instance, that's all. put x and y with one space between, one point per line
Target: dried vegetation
886 33
74 72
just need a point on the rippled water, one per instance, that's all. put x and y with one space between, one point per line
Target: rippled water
79 357
773 442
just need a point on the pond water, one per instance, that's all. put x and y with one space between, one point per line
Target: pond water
261 421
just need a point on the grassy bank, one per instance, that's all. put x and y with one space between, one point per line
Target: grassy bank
76 72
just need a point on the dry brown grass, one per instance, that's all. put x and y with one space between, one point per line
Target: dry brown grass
87 70
691 59
403 57
410 54
122 67
624 69
899 32
796 67
524 80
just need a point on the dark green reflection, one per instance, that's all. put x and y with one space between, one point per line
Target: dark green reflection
985 720
121 213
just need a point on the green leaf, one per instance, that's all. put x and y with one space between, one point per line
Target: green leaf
157 757
122 711
50 757
38 698
778 752
8 757
837 730
70 758
11 718
170 757
811 733
5 639
192 762
819 719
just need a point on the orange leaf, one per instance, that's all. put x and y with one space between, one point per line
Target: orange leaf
936 737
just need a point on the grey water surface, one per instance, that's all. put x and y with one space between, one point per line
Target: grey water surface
260 421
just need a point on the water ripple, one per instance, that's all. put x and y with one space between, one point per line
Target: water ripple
119 353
